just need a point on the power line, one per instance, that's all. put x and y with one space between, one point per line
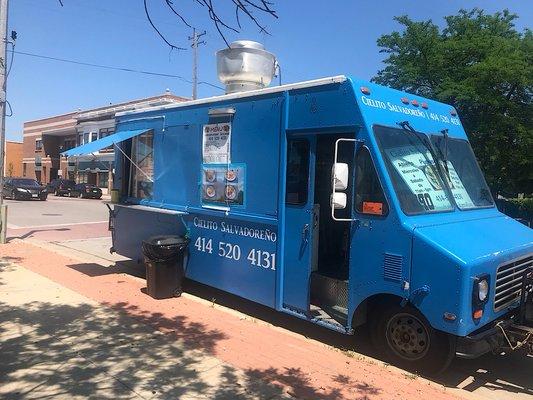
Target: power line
123 69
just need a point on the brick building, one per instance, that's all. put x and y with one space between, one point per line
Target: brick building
45 139
13 159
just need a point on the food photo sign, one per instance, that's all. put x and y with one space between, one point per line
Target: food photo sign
223 185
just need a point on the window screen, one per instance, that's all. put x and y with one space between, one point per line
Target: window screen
369 196
141 174
297 183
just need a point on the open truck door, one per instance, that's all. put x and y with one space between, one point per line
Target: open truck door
301 223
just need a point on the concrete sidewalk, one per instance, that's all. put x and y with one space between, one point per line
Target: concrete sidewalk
55 343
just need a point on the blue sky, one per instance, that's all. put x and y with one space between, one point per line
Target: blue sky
311 38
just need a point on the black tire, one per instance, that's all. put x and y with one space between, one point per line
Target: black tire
404 337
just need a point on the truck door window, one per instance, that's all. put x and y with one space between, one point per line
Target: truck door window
369 196
142 173
297 178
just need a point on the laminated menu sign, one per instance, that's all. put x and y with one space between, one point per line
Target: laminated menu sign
459 192
418 171
216 140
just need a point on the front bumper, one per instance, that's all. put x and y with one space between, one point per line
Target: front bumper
513 332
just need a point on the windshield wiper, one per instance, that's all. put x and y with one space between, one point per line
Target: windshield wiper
445 155
405 125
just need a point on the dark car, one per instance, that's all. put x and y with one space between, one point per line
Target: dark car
63 187
24 189
89 191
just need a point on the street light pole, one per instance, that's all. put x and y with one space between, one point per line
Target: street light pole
3 81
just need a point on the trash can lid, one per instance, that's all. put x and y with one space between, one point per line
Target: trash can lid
167 240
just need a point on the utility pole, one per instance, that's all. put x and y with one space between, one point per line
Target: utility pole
3 80
195 36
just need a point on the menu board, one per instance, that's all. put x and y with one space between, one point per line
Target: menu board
223 184
417 169
216 141
462 199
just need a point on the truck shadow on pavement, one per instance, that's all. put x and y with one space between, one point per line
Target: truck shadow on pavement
509 373
94 352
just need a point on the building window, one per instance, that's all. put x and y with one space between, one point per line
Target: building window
103 179
80 139
83 177
86 137
104 132
94 136
142 167
24 169
38 145
297 172
69 144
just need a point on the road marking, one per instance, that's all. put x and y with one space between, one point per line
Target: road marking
56 225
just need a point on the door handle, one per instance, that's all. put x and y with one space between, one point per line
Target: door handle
305 233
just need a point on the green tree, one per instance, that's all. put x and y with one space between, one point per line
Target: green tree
483 66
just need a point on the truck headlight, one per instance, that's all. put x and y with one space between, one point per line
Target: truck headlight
480 295
483 290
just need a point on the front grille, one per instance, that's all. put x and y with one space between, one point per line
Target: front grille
509 282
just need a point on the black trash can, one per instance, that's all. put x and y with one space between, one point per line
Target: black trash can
163 257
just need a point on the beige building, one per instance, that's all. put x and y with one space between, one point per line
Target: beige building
13 159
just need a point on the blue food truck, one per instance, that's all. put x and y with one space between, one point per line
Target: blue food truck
337 201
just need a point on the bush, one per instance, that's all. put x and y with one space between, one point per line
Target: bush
517 208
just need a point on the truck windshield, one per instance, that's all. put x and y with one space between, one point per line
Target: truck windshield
463 174
411 163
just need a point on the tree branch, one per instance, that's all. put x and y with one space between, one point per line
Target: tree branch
172 46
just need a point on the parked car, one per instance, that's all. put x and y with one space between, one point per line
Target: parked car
24 189
62 187
89 191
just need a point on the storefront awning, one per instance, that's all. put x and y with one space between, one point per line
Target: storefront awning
100 144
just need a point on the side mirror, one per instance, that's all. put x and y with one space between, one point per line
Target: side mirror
340 176
338 201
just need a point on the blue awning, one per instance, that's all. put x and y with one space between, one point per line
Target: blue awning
100 144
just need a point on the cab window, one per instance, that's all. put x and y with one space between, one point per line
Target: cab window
369 197
297 172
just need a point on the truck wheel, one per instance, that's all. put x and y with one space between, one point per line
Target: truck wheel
405 338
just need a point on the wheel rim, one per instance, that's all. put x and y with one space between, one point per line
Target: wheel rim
407 336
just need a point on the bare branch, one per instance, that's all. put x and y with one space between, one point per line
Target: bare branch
242 7
172 46
170 4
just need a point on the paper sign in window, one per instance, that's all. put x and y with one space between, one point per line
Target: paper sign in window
370 207
216 140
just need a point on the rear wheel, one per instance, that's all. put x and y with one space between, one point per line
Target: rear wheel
405 338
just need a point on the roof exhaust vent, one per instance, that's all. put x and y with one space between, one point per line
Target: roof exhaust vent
245 65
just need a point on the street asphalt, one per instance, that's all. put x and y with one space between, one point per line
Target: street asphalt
77 229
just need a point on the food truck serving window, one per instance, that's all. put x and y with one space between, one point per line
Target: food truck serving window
142 173
297 172
413 170
462 174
